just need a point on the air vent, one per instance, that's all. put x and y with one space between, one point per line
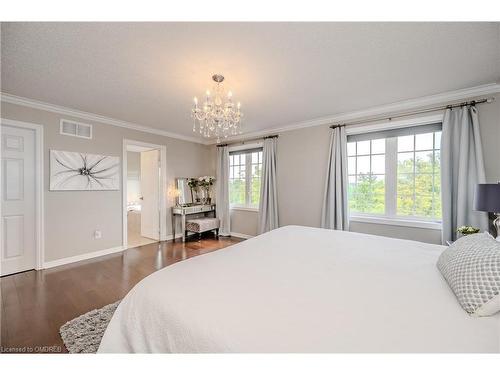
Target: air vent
76 129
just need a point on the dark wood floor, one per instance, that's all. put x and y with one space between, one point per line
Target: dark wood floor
36 303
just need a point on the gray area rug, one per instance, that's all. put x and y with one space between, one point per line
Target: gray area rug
84 333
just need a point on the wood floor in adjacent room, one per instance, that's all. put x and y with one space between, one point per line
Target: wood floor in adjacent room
36 303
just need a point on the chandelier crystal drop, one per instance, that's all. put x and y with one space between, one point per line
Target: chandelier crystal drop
218 116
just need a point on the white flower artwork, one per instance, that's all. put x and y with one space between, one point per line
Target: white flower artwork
79 171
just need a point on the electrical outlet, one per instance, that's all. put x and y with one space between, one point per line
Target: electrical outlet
97 235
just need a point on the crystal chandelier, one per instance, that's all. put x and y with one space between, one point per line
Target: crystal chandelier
218 117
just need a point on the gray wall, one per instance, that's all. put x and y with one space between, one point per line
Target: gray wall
396 231
244 222
72 217
489 120
302 156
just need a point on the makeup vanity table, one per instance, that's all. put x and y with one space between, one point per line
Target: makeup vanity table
186 206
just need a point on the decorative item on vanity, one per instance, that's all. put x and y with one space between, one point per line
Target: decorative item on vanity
193 184
466 230
487 198
80 171
206 183
218 116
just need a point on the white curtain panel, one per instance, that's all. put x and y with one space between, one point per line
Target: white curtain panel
334 213
462 168
268 206
222 191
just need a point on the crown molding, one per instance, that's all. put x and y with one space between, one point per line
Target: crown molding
386 109
36 104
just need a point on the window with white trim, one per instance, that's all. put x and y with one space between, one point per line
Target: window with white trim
366 170
245 168
396 173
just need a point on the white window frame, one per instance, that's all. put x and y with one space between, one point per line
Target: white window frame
390 217
248 183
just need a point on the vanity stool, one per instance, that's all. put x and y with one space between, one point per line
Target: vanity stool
203 224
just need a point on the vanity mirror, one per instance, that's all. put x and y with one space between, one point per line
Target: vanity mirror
193 191
185 195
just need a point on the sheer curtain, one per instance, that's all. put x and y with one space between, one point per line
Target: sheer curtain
334 214
222 190
268 205
462 167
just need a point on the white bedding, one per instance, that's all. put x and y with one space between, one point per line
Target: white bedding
300 289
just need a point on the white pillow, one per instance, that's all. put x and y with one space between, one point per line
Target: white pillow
471 266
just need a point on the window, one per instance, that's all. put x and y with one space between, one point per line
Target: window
396 173
245 168
419 175
366 166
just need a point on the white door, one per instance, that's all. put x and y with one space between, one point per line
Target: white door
150 191
18 243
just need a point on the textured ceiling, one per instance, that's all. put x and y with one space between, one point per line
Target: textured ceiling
283 73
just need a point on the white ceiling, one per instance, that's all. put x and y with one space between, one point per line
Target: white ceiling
283 73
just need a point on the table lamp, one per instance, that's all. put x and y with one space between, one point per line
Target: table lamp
487 198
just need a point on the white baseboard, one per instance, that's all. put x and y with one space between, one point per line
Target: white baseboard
78 258
100 253
241 235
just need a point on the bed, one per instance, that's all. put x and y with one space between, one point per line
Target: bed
301 289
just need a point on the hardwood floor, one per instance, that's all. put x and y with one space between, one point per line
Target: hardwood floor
36 303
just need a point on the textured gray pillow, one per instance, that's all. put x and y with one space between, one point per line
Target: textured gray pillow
471 266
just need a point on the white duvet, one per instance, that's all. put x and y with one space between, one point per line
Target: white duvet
300 289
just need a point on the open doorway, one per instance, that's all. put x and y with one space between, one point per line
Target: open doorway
143 198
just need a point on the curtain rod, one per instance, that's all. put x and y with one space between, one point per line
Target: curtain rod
248 140
449 106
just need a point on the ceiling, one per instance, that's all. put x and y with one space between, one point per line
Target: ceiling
283 73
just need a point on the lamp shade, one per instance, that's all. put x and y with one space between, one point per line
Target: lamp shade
487 198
